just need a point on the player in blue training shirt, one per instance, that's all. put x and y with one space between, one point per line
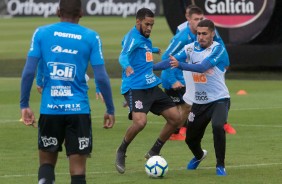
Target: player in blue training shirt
40 85
207 60
64 49
140 87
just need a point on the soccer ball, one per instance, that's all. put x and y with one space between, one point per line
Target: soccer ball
156 167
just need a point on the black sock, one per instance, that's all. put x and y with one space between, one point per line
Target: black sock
123 146
78 179
157 146
46 174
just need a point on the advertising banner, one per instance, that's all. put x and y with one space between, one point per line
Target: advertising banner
48 8
251 29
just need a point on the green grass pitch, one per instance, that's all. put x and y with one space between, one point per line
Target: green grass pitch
253 155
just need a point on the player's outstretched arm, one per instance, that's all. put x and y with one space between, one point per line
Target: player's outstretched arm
103 81
162 65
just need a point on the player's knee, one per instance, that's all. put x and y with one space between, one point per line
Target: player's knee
140 124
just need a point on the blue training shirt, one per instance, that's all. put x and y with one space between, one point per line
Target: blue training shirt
137 53
170 76
65 49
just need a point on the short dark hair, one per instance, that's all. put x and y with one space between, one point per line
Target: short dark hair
143 13
193 9
190 6
70 8
207 23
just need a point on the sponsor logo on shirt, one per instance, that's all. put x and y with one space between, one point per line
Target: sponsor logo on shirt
68 35
199 77
61 91
62 71
201 96
150 78
149 57
59 49
148 54
65 107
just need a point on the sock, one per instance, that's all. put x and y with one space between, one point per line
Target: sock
46 174
78 179
123 146
157 146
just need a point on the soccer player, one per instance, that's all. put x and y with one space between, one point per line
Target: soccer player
187 16
172 79
40 85
208 60
65 48
140 87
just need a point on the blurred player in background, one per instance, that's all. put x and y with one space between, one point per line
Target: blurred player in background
140 87
65 110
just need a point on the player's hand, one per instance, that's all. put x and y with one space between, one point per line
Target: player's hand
159 51
109 120
129 71
28 117
173 62
39 89
100 96
177 85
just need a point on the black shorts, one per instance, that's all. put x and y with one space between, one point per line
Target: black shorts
145 100
74 130
202 114
176 95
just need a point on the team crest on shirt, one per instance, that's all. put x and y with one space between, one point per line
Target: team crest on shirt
138 104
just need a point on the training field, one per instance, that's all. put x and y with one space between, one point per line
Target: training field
253 155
